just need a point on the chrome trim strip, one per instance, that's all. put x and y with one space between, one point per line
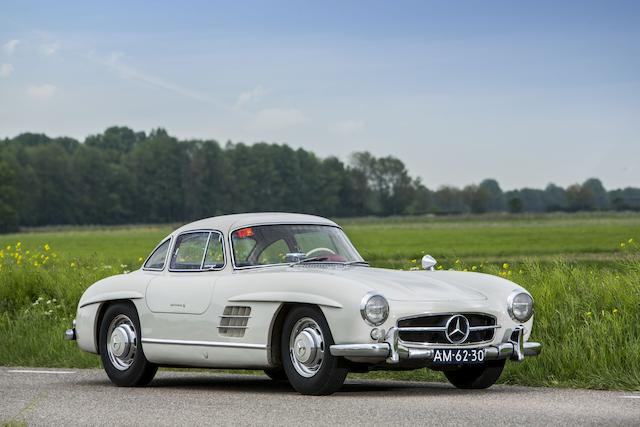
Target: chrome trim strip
206 248
423 329
443 328
204 343
446 313
360 350
233 327
484 328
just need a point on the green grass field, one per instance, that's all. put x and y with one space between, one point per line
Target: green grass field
583 270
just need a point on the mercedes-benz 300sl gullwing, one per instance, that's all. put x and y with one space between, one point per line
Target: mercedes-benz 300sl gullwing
289 294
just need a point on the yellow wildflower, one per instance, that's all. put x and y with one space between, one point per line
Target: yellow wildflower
46 247
140 259
457 261
18 245
414 261
615 310
630 240
505 265
588 314
8 247
72 265
622 245
474 268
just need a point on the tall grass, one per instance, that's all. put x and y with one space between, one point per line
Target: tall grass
587 316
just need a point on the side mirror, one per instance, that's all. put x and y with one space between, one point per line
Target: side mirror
428 262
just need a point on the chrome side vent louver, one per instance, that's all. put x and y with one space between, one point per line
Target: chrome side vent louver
234 319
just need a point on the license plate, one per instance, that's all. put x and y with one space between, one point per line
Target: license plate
458 356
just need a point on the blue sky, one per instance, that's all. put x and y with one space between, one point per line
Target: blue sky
524 93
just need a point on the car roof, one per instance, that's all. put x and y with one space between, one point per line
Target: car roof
227 223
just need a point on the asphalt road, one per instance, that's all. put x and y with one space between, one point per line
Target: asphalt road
86 397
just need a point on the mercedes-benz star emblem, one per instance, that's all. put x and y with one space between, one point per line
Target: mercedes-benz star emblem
457 329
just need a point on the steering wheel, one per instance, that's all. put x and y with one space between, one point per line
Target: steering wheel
315 250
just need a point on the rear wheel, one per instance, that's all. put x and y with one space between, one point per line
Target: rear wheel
120 347
476 376
306 359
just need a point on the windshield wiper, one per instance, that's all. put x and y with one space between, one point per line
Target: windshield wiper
357 263
312 259
326 258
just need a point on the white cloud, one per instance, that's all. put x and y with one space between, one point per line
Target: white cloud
114 62
6 70
279 118
44 91
10 46
347 127
49 48
253 95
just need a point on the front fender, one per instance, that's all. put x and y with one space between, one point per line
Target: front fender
110 296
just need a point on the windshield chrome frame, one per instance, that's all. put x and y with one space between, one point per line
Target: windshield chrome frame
323 224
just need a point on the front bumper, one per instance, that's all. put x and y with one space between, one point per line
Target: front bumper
393 350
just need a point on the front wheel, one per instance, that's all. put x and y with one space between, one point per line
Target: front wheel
306 359
120 348
476 376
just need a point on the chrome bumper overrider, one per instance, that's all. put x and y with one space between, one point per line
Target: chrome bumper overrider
393 350
70 334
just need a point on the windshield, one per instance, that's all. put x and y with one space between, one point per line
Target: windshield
279 244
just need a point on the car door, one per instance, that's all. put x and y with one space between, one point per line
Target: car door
183 292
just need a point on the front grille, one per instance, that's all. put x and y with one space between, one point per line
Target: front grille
234 320
431 329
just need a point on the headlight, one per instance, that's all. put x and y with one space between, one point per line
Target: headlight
520 305
374 309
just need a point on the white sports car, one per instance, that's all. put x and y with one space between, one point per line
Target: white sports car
289 294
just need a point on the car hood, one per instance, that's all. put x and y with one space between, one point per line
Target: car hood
411 285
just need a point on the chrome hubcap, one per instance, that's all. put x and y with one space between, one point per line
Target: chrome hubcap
121 342
306 347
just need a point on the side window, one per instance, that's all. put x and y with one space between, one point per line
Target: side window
189 251
156 260
274 253
215 255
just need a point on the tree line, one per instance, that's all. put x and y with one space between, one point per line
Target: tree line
122 176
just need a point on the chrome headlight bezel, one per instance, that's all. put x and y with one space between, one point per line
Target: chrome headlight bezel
511 300
365 309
